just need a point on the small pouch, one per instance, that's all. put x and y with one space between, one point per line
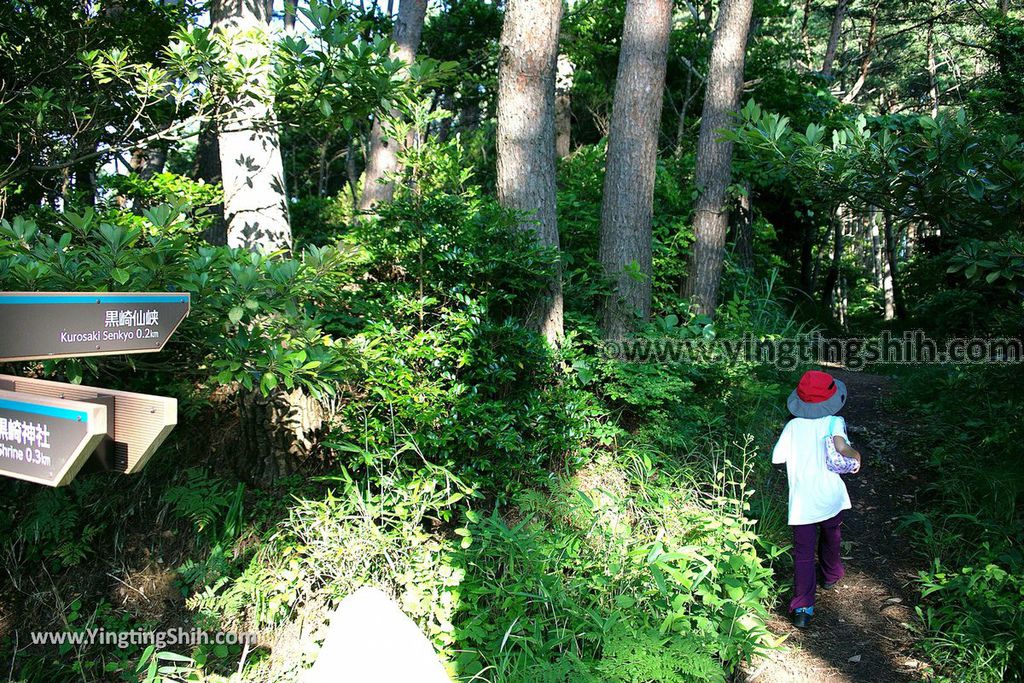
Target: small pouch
834 460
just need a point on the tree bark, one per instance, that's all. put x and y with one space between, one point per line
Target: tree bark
890 257
206 167
149 161
255 196
526 136
273 435
563 107
714 156
933 81
743 225
625 249
833 39
382 158
832 277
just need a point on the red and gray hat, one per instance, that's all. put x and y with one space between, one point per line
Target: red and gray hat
818 394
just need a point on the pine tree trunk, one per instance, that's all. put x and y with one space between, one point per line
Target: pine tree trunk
563 107
382 158
526 135
714 155
828 291
933 82
274 434
744 229
890 256
255 197
833 39
207 168
625 250
865 65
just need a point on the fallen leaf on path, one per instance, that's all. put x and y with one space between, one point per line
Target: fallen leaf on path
893 601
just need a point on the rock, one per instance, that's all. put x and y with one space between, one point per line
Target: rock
370 640
855 659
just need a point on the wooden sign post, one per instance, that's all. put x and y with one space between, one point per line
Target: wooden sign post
49 430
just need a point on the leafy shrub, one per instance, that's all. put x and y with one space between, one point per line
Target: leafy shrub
560 574
973 617
254 318
972 527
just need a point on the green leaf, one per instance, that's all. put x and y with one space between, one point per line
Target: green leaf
235 314
975 188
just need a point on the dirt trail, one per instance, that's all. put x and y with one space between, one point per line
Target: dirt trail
862 629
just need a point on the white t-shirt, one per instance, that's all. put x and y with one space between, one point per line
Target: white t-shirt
815 492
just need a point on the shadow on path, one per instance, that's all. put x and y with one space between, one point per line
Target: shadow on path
863 630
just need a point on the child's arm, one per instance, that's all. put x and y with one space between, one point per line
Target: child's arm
844 448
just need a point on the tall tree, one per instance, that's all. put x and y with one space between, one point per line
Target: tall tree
625 250
382 157
933 70
869 49
255 198
526 134
714 155
833 38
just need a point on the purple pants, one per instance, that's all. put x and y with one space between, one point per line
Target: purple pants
806 538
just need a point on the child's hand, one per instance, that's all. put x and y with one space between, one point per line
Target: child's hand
856 456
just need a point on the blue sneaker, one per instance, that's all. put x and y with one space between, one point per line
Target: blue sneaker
802 616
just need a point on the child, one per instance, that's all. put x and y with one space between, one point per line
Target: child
817 496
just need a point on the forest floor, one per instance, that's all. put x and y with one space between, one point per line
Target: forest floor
864 628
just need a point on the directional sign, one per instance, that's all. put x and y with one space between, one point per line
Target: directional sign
47 440
137 424
41 325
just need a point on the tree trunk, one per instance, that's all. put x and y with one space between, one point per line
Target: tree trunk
382 157
290 10
805 37
933 81
833 39
625 250
865 63
526 136
743 224
681 125
806 258
890 256
832 278
255 198
207 168
877 265
274 434
352 175
714 156
563 107
149 161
